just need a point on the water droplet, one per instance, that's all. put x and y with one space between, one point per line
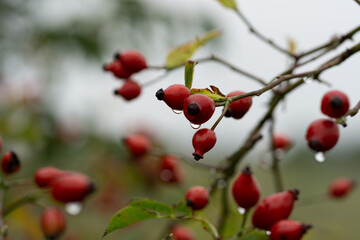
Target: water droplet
195 126
308 79
73 208
268 233
279 153
241 210
176 111
222 183
320 156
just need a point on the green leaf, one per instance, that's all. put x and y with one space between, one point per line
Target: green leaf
214 93
210 229
229 4
153 206
180 54
182 208
128 216
189 73
256 235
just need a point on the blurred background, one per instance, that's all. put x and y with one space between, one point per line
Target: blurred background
57 106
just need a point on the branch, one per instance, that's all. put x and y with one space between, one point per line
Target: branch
279 186
357 1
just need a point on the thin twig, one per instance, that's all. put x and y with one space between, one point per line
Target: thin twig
279 186
221 116
225 209
261 36
357 1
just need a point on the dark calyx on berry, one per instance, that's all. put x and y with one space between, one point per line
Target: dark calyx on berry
91 187
197 157
193 109
160 94
247 170
189 203
14 163
295 192
305 227
227 114
315 145
336 103
117 56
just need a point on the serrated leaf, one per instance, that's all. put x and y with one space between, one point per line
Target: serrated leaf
128 216
256 235
214 93
229 4
189 73
152 205
182 208
180 54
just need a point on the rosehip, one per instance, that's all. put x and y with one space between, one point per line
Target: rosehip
198 108
129 90
182 233
170 170
197 197
203 141
133 61
138 144
52 223
238 108
281 141
10 163
273 208
72 187
46 175
288 229
322 135
341 187
117 69
335 104
246 190
174 96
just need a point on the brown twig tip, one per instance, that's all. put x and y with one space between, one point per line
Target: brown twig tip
247 170
189 203
295 192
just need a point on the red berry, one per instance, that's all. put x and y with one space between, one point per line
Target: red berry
133 61
245 190
182 233
170 170
46 175
174 96
288 229
71 188
197 197
1 143
203 141
322 135
117 69
198 108
10 163
341 187
335 104
238 108
138 144
52 223
129 90
273 208
281 141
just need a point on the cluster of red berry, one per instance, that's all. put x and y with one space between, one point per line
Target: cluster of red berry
123 66
323 134
198 109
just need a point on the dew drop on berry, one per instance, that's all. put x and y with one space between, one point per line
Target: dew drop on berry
176 111
73 208
268 233
308 79
241 210
222 183
195 126
320 157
